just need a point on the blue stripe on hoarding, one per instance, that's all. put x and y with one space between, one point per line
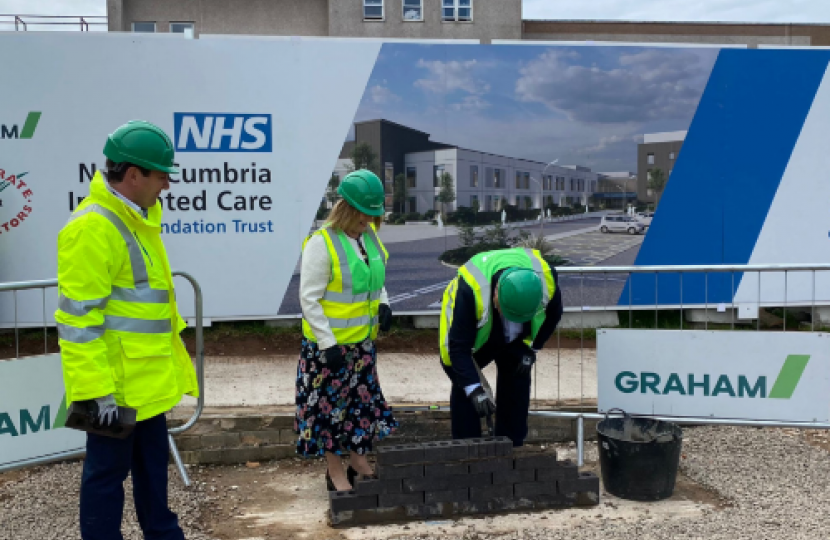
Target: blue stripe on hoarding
738 146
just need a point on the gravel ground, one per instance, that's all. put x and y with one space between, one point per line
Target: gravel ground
42 504
772 483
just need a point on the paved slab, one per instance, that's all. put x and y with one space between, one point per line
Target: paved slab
405 378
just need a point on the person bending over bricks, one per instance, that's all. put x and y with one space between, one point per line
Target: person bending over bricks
503 306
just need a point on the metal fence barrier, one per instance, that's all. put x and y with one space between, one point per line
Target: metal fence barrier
610 283
200 367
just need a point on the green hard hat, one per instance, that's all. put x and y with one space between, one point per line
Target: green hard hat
363 190
141 143
520 294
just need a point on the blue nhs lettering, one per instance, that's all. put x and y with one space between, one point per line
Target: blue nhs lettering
215 132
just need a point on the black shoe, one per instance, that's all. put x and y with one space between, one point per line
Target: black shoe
352 474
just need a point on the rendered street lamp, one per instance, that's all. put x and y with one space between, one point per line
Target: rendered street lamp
542 197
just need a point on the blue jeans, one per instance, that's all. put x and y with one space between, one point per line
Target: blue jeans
108 461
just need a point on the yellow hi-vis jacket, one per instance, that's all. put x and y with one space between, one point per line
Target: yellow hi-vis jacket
478 273
352 297
118 324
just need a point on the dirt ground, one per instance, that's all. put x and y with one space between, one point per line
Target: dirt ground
286 499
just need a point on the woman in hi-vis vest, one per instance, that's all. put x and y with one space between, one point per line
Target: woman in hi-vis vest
340 406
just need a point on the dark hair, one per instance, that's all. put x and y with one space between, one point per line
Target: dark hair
116 171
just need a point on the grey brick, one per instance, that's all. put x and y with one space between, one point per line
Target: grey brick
491 465
474 480
220 440
424 511
446 469
489 493
541 461
378 487
482 448
345 518
400 499
586 482
533 489
400 454
400 472
557 500
341 501
442 451
448 496
514 477
503 447
412 485
565 470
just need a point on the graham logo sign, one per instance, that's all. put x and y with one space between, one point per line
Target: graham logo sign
715 374
31 417
707 384
28 421
15 201
15 131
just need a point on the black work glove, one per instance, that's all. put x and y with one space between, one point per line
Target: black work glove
333 358
482 402
385 317
526 362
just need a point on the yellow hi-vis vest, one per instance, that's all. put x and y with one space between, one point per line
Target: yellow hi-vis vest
118 323
352 296
478 273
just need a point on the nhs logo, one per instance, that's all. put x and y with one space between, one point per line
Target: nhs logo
222 132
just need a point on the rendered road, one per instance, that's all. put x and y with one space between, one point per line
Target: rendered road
416 278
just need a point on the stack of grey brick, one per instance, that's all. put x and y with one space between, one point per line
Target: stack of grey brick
454 478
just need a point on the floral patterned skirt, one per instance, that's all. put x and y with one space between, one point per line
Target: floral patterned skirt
340 412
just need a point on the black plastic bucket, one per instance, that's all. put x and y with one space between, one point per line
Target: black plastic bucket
639 457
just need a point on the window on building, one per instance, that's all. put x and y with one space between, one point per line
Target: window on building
144 27
413 10
650 158
572 184
528 203
388 178
488 177
498 179
438 170
671 155
527 180
411 177
412 203
648 175
474 202
185 28
473 175
518 180
373 10
488 203
457 10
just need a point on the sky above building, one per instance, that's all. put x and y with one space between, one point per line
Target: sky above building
581 105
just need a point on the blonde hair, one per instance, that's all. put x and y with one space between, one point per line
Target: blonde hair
345 217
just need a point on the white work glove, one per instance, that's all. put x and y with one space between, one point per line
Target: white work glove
105 412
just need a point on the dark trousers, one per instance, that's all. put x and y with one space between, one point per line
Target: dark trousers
108 461
512 398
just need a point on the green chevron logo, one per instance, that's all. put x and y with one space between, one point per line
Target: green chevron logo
789 376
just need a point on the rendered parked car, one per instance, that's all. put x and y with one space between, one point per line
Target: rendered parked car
645 218
621 223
